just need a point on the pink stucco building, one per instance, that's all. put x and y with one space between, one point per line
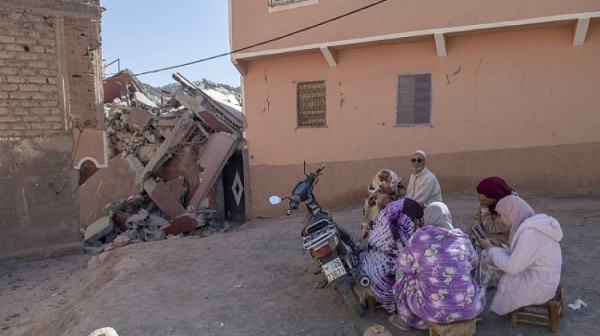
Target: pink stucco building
505 88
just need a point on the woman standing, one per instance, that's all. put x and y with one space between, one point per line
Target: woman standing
391 231
532 266
436 285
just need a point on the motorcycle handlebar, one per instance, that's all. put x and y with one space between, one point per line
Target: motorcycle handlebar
301 188
320 169
294 201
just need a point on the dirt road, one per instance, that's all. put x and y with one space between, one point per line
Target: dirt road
253 281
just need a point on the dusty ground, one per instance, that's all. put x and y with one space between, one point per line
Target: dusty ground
254 281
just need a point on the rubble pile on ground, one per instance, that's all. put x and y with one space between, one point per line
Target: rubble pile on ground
163 163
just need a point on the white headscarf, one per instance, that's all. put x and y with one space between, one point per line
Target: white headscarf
437 214
420 152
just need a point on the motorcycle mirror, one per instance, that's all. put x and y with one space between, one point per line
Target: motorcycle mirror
274 199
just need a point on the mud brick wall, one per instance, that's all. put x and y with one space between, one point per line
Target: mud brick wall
80 52
29 99
47 87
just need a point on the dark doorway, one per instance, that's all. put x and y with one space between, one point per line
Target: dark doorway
233 185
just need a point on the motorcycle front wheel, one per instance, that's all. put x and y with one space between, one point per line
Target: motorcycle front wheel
344 285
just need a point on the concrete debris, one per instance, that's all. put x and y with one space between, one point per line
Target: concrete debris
179 188
144 101
161 194
165 158
98 229
137 221
184 223
108 185
219 145
121 240
139 119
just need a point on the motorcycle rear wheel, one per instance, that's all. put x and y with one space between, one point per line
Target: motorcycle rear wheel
343 285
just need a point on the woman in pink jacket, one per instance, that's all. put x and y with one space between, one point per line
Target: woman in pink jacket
532 265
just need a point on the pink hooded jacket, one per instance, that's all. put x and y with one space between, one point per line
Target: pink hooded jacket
532 266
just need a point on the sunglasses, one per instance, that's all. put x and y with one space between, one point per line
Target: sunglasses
419 160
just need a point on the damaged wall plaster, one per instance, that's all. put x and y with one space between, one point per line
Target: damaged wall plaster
40 84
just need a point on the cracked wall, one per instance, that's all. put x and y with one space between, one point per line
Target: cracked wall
512 94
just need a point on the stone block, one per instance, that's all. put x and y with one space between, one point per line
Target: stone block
121 240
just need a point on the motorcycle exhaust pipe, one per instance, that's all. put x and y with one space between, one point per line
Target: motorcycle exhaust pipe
364 281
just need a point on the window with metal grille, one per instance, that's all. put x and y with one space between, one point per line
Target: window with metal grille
414 100
310 102
273 3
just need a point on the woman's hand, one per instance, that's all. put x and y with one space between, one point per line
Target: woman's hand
485 243
485 202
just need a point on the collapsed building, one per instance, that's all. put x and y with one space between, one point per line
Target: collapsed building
173 168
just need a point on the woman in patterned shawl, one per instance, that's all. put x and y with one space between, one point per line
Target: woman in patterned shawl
436 285
384 188
390 233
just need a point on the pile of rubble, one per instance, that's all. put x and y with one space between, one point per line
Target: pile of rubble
163 165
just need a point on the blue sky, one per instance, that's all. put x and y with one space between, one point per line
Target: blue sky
151 34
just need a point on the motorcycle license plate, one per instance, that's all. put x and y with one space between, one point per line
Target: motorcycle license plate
334 269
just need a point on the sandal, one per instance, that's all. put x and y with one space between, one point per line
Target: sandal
392 320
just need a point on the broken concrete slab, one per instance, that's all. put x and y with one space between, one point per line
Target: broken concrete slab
160 193
184 223
217 151
139 119
108 185
183 163
98 229
182 131
178 187
144 101
219 117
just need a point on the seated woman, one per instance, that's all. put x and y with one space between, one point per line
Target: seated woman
490 190
532 265
390 233
384 188
436 285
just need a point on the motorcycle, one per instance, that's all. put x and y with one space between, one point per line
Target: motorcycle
337 252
